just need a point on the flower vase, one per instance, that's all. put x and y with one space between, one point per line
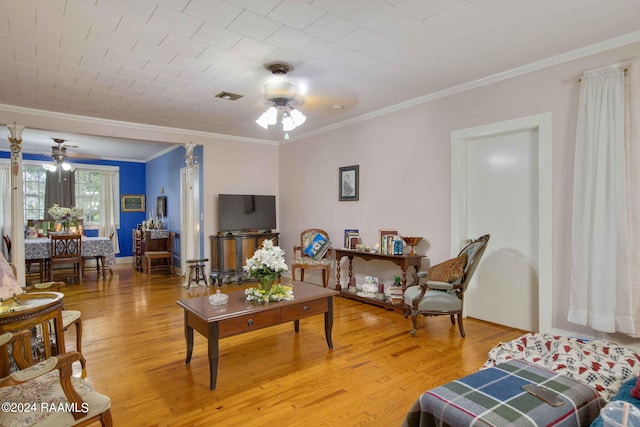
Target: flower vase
266 282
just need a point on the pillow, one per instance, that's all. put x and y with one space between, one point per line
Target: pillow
635 391
448 271
8 283
318 247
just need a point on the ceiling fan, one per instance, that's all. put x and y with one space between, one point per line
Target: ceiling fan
59 156
282 98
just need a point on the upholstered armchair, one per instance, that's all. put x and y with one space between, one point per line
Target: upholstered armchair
441 290
313 253
52 395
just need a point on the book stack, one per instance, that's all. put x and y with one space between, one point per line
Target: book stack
390 242
395 294
351 238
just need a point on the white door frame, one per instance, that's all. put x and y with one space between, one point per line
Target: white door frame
541 123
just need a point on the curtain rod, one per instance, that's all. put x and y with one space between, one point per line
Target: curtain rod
624 70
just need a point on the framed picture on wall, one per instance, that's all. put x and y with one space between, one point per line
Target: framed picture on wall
349 181
132 203
161 205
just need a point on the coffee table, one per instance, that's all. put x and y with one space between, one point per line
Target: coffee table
238 316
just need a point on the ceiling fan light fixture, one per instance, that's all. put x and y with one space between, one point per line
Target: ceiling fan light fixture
287 122
269 117
297 117
282 96
50 167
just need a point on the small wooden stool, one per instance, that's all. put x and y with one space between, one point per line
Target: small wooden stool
196 271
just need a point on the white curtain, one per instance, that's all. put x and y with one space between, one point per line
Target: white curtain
601 292
108 214
632 152
5 202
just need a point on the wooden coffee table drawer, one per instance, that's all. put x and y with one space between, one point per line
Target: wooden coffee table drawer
248 322
304 309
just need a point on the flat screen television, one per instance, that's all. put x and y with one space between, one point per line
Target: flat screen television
244 212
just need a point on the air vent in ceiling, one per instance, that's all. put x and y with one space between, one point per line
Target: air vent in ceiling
228 96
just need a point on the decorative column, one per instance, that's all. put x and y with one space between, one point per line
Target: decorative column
189 225
17 202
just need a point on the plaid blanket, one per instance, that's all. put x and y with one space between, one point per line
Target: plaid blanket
494 397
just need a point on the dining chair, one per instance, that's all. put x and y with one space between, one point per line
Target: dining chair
28 262
66 249
165 253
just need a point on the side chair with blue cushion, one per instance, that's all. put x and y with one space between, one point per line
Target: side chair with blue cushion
313 253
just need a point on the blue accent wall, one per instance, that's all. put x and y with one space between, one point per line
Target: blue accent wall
163 174
132 181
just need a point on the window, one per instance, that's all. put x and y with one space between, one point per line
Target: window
34 187
88 191
88 186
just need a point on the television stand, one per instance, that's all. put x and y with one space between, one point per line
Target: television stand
229 252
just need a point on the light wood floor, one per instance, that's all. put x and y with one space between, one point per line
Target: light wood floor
134 344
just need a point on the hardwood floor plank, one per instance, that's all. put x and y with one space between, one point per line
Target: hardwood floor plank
133 340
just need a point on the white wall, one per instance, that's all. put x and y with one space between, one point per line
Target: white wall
404 160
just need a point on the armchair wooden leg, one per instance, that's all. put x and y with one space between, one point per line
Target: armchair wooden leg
414 321
105 419
453 319
460 325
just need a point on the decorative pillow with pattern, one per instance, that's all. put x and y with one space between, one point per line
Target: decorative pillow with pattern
318 247
8 283
448 271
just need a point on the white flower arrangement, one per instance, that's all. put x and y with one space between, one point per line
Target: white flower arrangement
267 261
65 215
265 265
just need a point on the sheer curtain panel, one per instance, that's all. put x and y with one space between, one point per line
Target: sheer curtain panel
600 287
107 222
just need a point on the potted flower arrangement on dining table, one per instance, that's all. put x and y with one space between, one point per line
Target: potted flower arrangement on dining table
66 216
266 264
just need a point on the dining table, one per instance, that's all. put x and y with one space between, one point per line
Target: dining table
92 247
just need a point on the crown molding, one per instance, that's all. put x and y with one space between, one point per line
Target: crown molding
514 72
129 125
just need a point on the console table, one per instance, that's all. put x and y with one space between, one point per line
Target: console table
230 250
402 261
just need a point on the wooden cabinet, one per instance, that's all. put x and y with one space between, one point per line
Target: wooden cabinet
229 252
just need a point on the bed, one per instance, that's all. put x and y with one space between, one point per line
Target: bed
585 375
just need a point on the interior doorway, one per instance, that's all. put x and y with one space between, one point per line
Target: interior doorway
501 185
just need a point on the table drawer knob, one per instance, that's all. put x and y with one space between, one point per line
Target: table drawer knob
306 308
250 322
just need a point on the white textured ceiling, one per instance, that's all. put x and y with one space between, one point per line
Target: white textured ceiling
161 62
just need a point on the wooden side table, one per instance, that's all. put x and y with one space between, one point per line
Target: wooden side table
35 311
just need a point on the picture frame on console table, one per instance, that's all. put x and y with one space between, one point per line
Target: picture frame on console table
132 203
349 183
161 206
